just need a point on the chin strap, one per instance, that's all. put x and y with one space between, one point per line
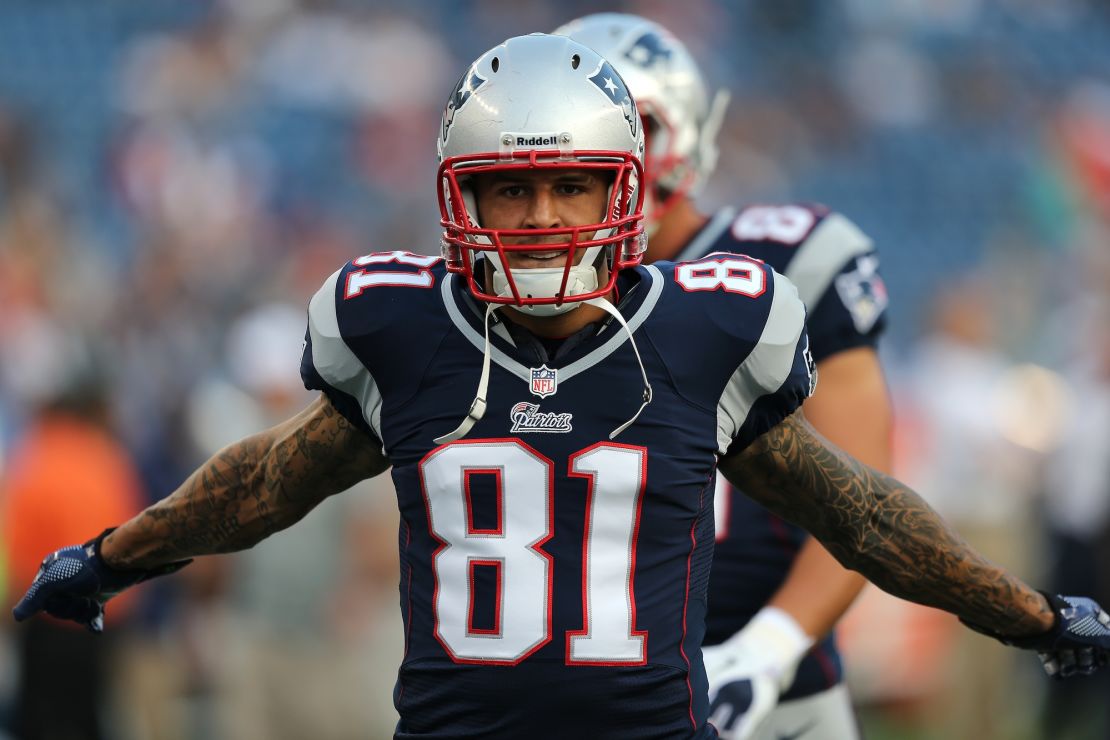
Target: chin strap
610 309
478 405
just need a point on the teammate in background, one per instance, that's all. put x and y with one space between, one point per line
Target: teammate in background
774 593
555 544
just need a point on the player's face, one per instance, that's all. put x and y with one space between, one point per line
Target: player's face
546 199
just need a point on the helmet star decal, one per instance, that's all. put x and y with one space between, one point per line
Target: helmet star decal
610 83
468 83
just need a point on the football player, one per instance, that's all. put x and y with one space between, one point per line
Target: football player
774 592
556 530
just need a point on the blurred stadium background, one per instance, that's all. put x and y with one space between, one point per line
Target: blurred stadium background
176 179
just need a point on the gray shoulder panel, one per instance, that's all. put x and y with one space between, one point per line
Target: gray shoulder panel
819 259
767 367
335 361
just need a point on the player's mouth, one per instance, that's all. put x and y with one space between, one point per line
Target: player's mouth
545 255
547 258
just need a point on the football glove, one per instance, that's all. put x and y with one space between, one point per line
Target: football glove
1079 641
749 671
75 582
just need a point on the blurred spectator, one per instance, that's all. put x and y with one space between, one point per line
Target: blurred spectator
1084 134
1077 476
182 165
1078 517
67 477
889 83
335 60
973 467
311 611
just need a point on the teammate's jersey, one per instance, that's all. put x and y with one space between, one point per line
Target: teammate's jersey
835 269
553 581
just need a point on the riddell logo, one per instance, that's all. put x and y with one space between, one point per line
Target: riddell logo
536 140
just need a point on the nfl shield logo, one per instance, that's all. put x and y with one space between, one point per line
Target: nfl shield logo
544 381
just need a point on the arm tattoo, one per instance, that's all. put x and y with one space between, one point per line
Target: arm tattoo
251 489
875 525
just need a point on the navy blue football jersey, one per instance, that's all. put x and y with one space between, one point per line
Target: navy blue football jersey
553 580
835 268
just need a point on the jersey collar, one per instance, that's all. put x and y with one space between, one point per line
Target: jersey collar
637 302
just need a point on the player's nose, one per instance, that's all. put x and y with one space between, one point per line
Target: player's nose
542 211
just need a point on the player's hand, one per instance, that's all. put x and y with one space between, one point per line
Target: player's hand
1079 642
75 582
748 672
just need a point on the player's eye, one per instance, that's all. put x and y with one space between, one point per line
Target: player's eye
570 188
511 191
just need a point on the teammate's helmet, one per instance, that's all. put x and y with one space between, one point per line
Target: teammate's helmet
681 120
541 102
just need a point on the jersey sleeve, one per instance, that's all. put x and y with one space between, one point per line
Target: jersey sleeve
836 270
775 377
329 365
852 311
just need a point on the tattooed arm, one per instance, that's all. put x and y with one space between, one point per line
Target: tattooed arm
250 489
875 525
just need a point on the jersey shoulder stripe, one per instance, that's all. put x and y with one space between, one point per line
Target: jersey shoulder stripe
832 245
333 359
769 365
363 309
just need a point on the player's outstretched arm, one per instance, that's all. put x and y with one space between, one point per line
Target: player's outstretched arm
851 407
244 493
874 524
250 489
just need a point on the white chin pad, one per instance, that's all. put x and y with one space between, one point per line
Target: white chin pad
544 282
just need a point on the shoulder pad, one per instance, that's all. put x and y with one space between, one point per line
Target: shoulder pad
832 245
736 298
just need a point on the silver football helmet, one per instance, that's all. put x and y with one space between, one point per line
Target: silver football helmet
682 121
540 102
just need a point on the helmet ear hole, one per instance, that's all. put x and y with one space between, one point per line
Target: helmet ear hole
575 61
495 63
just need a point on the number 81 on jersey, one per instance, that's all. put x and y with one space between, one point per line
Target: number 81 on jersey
616 475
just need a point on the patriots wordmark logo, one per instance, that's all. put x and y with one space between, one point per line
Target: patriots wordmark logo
545 381
469 82
527 417
610 83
